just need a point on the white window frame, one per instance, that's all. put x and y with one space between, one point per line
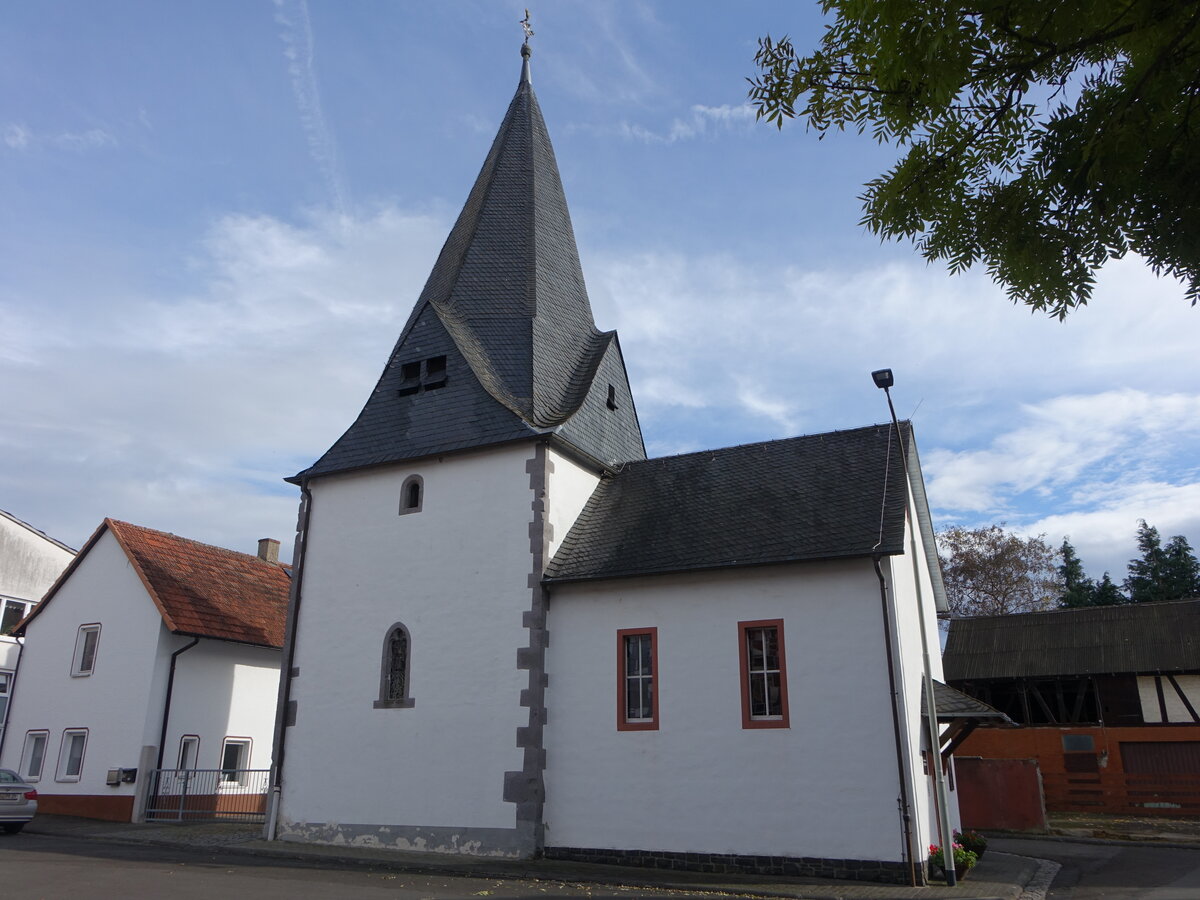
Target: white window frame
188 760
81 641
6 682
246 744
31 737
64 754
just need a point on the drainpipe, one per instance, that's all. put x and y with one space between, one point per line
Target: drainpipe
166 716
905 809
289 656
12 696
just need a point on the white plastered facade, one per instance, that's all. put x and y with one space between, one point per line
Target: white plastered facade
458 575
220 689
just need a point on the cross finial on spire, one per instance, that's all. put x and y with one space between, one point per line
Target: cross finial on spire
526 50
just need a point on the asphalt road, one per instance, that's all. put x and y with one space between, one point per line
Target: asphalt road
1109 871
49 868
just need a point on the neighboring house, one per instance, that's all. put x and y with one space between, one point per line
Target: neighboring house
513 634
29 562
150 651
1110 696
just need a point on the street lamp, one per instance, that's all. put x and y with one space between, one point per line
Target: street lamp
884 379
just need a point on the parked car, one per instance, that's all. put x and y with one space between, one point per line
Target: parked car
18 801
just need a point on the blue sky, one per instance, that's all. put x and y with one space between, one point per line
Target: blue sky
216 218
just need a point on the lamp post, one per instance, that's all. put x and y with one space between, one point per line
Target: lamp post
884 380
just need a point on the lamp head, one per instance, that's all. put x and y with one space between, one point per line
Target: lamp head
883 378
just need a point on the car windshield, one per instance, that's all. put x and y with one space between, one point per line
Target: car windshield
7 776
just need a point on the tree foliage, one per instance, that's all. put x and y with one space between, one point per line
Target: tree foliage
1078 589
990 571
1041 139
1162 573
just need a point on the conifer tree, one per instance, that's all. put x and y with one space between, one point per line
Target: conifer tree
1182 576
1145 582
1078 589
1107 593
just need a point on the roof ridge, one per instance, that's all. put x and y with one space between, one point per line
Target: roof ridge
19 521
178 537
748 444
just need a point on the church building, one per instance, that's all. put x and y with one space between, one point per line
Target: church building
512 634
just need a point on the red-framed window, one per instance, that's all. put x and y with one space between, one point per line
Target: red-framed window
637 679
763 673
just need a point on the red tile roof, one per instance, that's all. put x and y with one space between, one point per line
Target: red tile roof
208 591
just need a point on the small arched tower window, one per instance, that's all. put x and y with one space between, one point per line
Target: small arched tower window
412 494
394 673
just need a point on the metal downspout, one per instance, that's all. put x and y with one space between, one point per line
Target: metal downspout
905 808
289 656
166 716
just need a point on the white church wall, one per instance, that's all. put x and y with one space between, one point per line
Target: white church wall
701 782
568 489
457 576
111 704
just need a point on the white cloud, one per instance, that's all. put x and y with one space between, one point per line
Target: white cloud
297 36
703 121
17 136
21 137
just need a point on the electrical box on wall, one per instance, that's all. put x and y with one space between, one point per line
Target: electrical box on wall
128 776
114 777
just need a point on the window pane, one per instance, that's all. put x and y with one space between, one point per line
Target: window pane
75 755
755 646
758 699
633 708
647 698
87 658
774 707
647 659
771 637
37 755
14 612
631 655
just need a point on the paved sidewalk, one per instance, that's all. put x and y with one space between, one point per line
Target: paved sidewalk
1000 876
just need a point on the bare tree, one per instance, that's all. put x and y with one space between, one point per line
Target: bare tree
991 572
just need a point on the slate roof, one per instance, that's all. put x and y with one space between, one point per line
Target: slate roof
953 704
200 590
507 305
806 498
1130 638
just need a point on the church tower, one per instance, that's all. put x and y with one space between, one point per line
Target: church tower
412 699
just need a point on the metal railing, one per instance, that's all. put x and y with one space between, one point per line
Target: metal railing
207 795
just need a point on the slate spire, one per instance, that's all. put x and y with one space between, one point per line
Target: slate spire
507 307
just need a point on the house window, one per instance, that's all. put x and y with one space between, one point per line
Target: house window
637 669
764 674
33 756
394 670
235 759
189 751
14 612
86 641
70 754
611 403
412 494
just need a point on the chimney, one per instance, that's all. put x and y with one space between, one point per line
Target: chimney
268 549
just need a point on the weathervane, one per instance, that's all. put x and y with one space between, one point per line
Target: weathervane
526 27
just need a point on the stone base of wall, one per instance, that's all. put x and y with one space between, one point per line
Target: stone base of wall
87 806
732 863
